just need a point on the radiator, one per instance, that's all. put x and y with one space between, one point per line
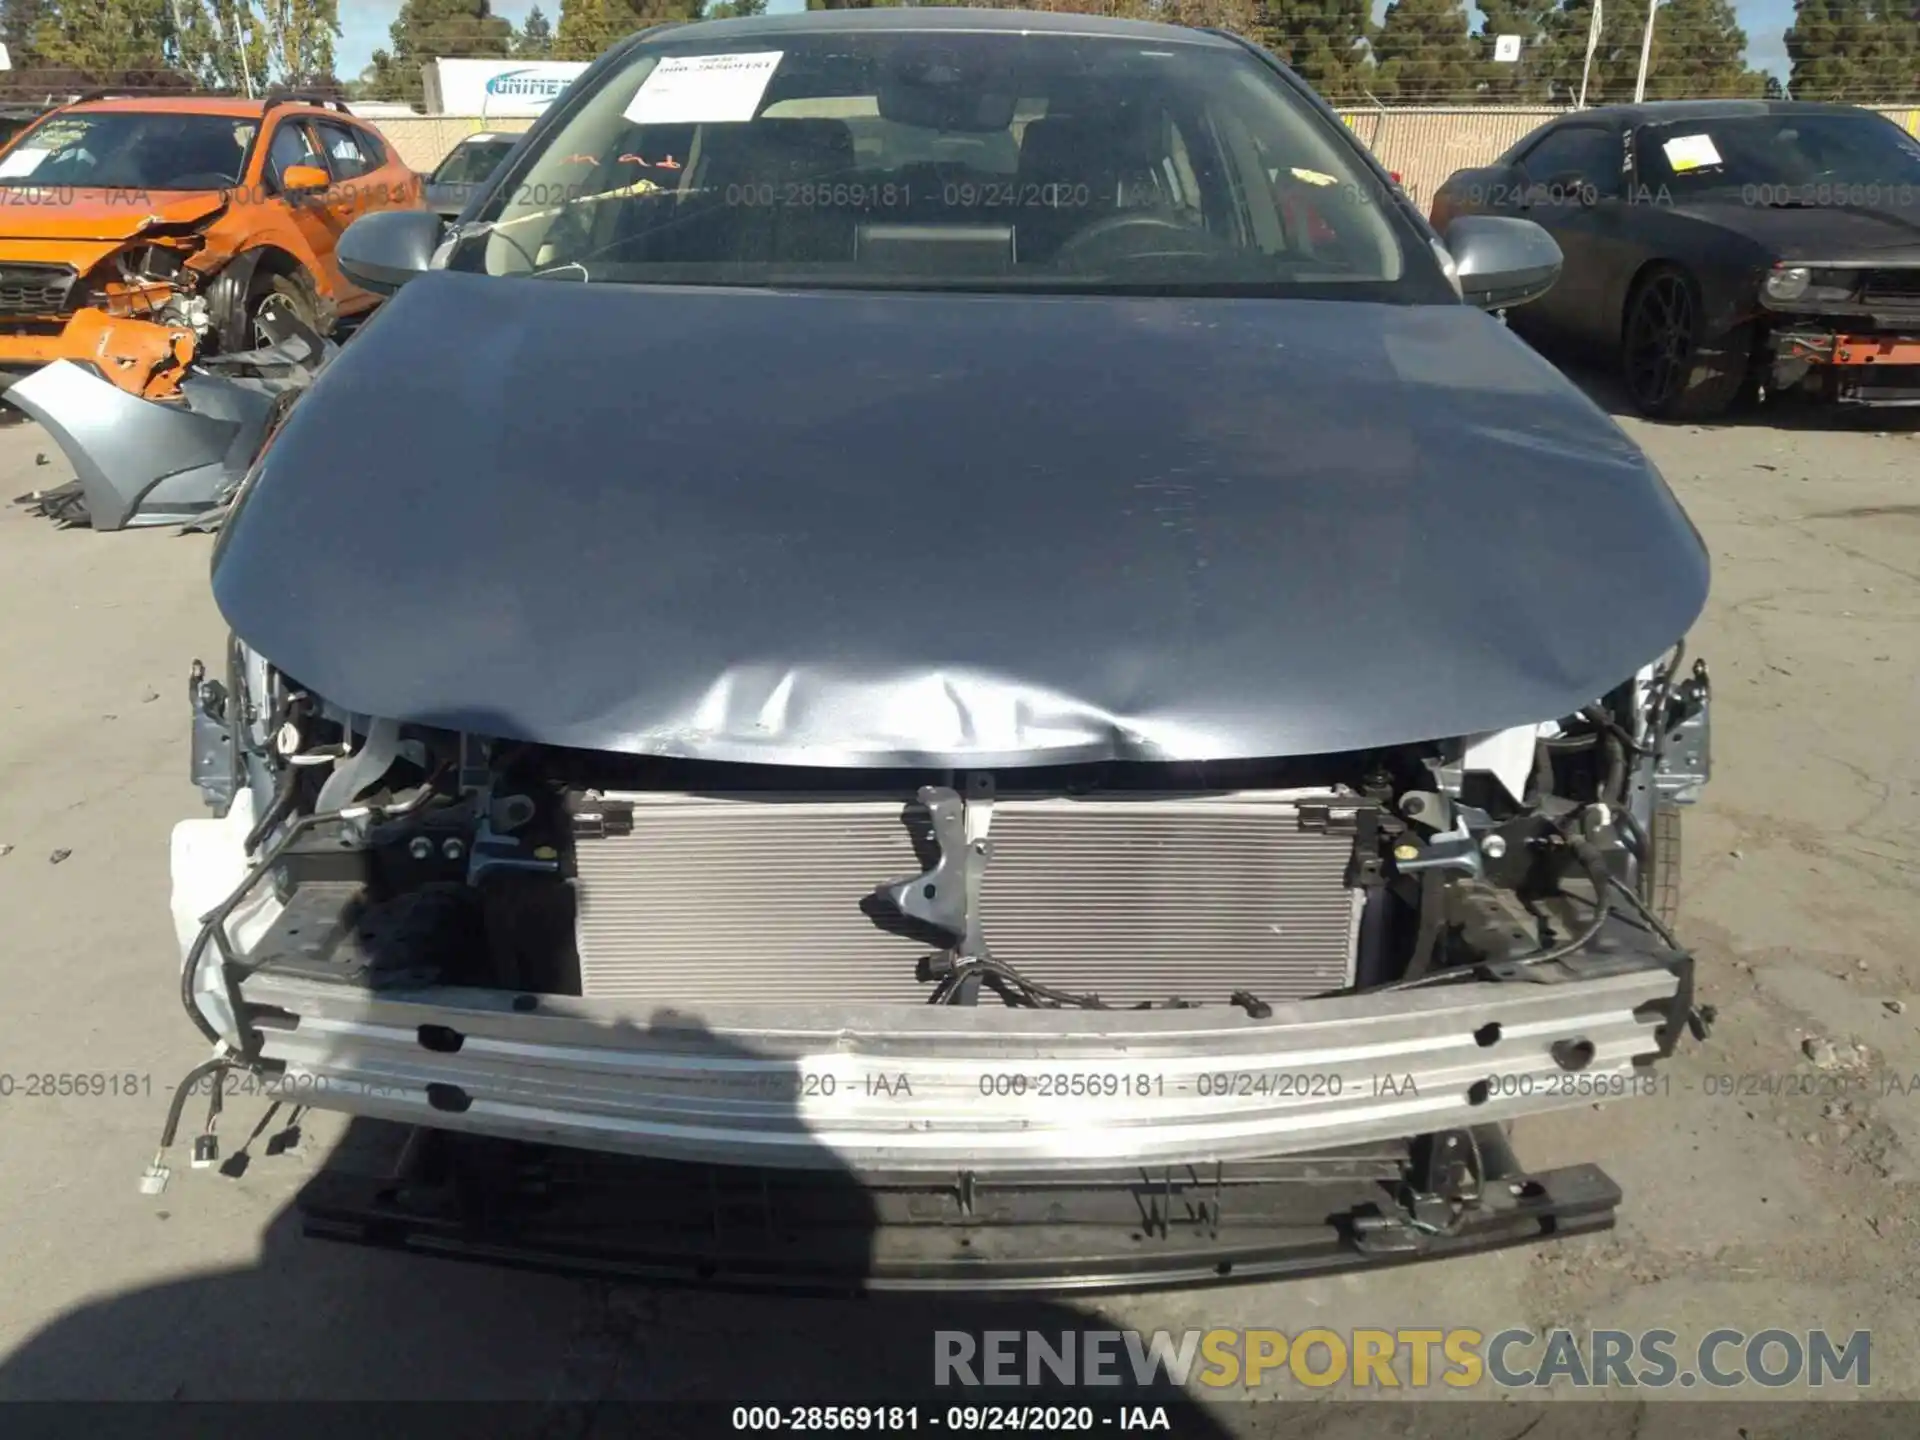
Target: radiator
739 899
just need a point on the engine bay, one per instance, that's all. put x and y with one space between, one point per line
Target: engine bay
404 856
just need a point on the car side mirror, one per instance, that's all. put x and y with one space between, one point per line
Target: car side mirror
1501 260
382 251
304 179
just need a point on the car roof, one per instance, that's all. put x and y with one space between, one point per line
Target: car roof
1658 112
229 105
950 19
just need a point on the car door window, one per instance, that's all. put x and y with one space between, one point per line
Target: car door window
372 146
1586 154
475 160
291 145
347 156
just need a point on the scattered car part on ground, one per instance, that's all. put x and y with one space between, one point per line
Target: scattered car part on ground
1253 774
140 233
142 462
1721 249
457 178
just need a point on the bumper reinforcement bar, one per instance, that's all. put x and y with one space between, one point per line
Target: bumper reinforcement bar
931 1090
439 1193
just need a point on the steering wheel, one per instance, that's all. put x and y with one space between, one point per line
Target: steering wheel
1117 238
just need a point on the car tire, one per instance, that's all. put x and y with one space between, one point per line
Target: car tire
290 291
1673 368
1660 873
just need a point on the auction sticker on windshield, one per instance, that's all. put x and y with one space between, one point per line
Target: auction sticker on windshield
1691 152
703 89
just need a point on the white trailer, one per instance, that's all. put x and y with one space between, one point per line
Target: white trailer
489 88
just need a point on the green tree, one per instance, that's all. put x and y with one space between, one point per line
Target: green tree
224 44
1616 59
535 38
588 27
1893 51
1699 50
1423 53
1323 40
300 36
1526 80
1860 50
19 19
103 37
220 44
427 29
1235 16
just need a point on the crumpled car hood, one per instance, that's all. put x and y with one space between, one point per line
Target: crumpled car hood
846 529
87 214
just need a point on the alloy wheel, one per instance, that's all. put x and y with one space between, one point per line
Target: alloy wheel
1659 344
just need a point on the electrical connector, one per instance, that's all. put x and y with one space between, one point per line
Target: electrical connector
937 967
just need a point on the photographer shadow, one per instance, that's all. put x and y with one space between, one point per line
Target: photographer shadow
313 1320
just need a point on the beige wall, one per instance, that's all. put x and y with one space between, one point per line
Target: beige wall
1422 145
424 141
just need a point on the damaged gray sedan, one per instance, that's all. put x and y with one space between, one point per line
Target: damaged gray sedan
962 600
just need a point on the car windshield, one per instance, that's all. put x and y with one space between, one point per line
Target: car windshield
935 159
471 162
131 150
1787 151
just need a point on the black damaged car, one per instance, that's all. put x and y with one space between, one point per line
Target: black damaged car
966 598
1719 251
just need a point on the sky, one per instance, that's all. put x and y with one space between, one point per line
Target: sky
363 26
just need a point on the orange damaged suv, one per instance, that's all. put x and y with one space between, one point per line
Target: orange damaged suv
135 233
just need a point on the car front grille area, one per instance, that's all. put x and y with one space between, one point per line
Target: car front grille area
35 289
704 899
1895 290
